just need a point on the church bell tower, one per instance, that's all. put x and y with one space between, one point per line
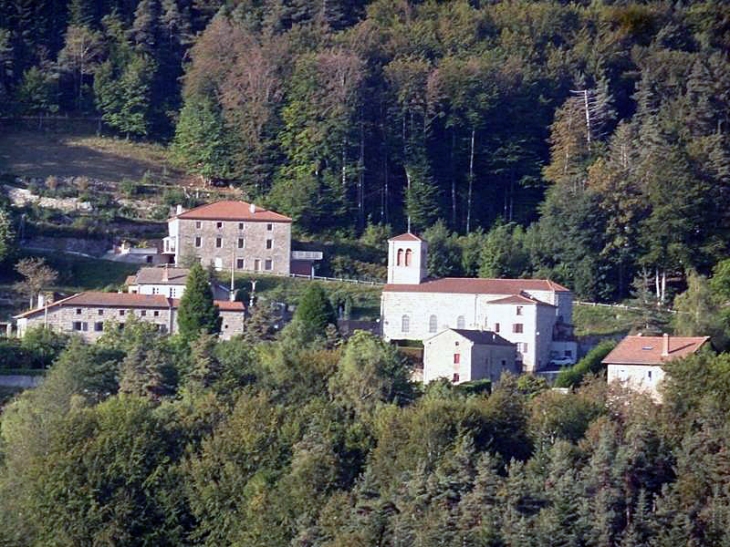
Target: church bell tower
407 260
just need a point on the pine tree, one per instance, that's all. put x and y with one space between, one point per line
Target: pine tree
314 311
197 313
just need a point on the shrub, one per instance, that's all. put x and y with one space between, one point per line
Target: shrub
591 363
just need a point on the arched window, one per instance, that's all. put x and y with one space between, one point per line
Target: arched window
460 322
432 323
409 256
399 259
405 323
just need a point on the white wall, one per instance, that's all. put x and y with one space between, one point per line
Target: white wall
644 378
170 291
403 274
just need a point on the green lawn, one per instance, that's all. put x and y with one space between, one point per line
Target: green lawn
77 273
602 320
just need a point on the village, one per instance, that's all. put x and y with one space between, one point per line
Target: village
469 329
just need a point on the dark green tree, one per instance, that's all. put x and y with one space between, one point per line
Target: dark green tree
197 313
314 311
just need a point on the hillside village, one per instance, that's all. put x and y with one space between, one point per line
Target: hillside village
364 273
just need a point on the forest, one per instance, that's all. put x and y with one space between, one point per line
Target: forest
589 138
308 440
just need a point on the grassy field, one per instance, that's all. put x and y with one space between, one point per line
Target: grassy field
602 321
78 151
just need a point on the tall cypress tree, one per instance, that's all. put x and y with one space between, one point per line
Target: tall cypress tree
197 312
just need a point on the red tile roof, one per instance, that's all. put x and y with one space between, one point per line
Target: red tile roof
647 350
232 210
97 299
465 285
406 237
519 299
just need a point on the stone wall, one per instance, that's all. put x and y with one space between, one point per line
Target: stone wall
253 256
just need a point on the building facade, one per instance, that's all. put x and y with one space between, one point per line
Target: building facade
534 314
467 355
87 314
638 362
231 235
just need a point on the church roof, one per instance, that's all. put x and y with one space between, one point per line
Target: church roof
519 299
467 285
406 237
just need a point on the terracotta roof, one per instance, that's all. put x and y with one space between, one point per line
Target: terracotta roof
232 210
483 337
156 276
467 285
406 237
519 299
97 299
647 350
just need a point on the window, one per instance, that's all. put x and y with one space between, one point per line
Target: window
198 241
268 264
455 378
149 259
80 326
519 310
156 313
269 243
648 374
78 311
219 242
432 323
240 242
569 353
144 313
269 227
100 312
399 259
522 347
405 323
457 358
496 327
121 312
517 328
239 264
155 290
409 257
240 226
198 224
219 225
460 322
98 326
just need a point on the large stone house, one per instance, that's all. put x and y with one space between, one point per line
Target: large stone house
639 361
87 314
231 235
534 314
167 281
467 355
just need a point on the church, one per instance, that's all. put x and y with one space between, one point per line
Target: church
533 314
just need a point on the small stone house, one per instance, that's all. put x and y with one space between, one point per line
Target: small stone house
462 355
167 281
87 314
638 361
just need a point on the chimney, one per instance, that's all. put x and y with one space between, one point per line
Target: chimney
252 208
179 209
232 295
665 345
41 300
165 275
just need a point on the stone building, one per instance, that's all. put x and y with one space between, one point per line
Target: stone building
87 314
231 235
167 281
639 361
467 355
534 314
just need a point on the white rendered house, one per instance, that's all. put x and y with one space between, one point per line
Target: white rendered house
534 314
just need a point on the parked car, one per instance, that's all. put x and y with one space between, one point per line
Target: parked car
562 361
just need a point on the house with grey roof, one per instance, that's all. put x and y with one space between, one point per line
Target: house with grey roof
462 355
167 281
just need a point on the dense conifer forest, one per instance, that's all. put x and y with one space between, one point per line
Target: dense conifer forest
591 136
